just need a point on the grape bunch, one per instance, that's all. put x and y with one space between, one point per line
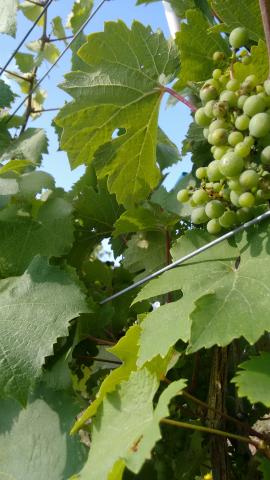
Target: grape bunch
236 123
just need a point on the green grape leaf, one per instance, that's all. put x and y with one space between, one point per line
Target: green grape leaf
147 217
6 95
8 186
36 309
80 12
25 62
128 433
31 11
258 65
58 29
50 52
253 380
8 9
179 7
126 350
44 452
243 13
265 468
236 305
30 145
15 166
108 98
197 145
34 182
145 253
50 233
196 46
167 151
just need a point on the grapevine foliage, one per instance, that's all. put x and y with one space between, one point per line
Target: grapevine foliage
140 381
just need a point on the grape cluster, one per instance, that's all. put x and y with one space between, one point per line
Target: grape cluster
236 122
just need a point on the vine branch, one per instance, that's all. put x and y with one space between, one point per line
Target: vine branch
265 13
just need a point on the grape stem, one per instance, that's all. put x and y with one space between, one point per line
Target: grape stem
265 13
180 98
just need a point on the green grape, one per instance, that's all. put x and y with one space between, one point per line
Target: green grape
249 179
250 83
208 108
213 226
208 93
217 73
213 172
259 125
201 173
234 138
218 56
233 85
220 109
231 164
234 197
210 139
238 37
211 82
206 133
212 149
260 89
254 105
200 197
183 195
201 118
225 194
220 151
198 216
242 122
243 215
228 219
246 199
224 79
217 187
219 136
249 140
267 86
219 123
214 209
241 100
242 149
234 184
230 97
265 155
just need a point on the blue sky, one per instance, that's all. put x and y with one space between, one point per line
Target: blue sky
173 120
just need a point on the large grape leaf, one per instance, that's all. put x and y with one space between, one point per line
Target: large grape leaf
30 145
8 9
36 309
121 90
196 46
253 380
34 441
258 64
128 433
243 13
50 233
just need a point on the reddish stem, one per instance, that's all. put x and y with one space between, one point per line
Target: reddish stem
265 13
180 98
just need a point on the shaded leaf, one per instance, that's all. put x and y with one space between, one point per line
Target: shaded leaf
6 95
30 145
253 380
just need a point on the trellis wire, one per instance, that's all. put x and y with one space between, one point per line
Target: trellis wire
178 262
58 58
45 8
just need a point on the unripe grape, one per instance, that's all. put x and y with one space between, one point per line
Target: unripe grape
217 187
250 82
249 140
233 85
267 86
265 155
219 136
234 184
241 100
213 226
242 149
234 138
208 108
220 109
228 219
246 199
206 133
214 209
220 151
217 73
211 82
201 118
225 194
242 122
224 79
201 173
246 60
219 123
259 125
213 172
212 149
249 179
230 97
264 141
254 105
208 93
238 37
198 216
183 195
243 215
231 164
200 197
234 197
218 56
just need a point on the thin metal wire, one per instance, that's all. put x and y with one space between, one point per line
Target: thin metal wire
59 58
178 262
45 8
